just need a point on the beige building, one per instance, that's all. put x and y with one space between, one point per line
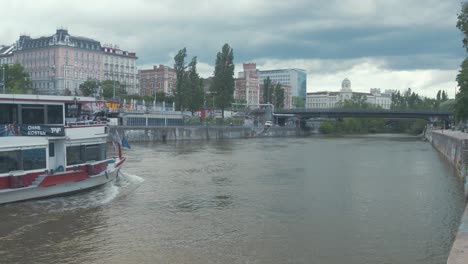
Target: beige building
156 80
247 86
321 100
120 65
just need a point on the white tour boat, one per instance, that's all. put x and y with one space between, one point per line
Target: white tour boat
46 149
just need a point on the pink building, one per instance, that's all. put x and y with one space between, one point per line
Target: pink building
247 87
156 80
58 64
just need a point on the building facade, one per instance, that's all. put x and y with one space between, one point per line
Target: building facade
120 65
323 100
295 78
156 80
60 63
247 85
6 54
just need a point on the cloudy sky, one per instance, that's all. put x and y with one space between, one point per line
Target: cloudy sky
390 44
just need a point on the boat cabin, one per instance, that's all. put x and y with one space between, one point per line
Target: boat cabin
46 134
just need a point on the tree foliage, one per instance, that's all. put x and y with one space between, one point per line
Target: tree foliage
89 87
181 85
411 100
356 101
278 98
461 99
195 89
188 94
298 102
108 87
462 24
272 93
267 90
223 81
16 79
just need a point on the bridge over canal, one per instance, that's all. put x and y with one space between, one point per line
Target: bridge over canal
301 115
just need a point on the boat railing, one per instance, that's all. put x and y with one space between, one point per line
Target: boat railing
86 123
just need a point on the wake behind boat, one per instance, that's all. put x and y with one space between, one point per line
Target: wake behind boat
46 150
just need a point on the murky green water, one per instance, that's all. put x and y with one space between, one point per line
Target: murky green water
377 199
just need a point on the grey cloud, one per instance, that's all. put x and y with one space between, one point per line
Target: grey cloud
405 34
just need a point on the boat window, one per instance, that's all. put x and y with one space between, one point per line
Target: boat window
32 114
55 114
10 161
26 159
8 113
74 155
85 153
92 153
72 110
34 159
51 150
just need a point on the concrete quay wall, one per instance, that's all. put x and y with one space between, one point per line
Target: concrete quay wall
454 146
151 134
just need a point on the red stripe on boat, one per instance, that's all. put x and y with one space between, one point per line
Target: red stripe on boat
5 182
120 162
63 178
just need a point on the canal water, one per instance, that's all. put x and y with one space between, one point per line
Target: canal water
367 199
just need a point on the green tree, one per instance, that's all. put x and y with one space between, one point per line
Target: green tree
160 97
223 81
326 127
16 79
108 87
444 96
356 101
462 24
461 99
195 89
180 91
298 102
267 90
278 96
89 87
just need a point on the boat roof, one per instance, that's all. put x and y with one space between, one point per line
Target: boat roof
45 98
21 142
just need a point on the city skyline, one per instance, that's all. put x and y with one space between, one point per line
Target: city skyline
383 44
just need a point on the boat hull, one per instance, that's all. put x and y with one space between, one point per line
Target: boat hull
38 192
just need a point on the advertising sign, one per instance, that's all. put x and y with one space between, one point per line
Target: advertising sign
42 130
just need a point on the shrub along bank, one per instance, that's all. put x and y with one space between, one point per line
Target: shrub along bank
371 125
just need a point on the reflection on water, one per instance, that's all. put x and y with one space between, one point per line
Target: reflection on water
360 199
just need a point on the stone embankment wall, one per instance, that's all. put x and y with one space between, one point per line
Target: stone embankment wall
454 146
150 134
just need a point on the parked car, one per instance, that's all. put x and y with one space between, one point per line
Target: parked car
268 123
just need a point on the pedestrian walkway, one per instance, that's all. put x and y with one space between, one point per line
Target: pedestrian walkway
453 133
459 252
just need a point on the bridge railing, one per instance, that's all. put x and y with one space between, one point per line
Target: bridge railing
371 110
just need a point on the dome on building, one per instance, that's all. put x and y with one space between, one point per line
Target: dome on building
346 85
